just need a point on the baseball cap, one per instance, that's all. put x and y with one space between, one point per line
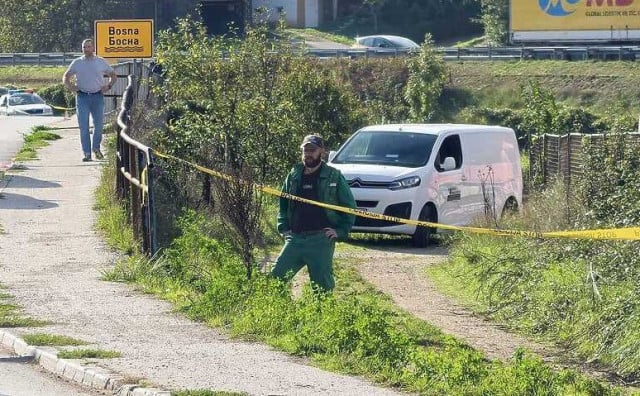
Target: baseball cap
313 139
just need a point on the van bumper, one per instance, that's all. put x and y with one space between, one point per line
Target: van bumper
400 205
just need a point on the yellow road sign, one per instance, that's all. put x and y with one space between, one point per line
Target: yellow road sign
132 38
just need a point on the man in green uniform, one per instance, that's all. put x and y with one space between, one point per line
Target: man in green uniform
311 231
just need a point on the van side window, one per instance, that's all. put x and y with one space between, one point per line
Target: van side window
450 147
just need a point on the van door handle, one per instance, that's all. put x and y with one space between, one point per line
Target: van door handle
463 178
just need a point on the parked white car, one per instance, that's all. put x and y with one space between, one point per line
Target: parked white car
386 42
443 173
24 102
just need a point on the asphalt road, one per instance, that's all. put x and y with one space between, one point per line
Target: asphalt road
12 129
21 378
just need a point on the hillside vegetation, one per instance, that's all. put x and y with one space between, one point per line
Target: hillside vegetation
595 85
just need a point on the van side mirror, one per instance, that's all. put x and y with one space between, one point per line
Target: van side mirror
332 155
448 164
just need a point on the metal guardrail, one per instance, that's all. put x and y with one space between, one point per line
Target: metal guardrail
134 176
448 53
38 59
495 53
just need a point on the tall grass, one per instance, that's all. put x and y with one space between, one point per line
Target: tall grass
572 292
114 215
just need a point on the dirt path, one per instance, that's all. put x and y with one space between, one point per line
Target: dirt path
399 272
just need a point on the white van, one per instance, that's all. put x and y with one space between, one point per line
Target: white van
443 173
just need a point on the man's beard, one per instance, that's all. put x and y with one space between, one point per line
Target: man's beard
312 162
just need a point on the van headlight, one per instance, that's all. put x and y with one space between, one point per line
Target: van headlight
407 182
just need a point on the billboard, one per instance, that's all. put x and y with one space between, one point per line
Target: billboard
567 15
132 38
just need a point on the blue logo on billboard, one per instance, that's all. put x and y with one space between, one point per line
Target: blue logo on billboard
558 7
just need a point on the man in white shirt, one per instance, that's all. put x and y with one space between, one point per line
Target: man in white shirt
90 71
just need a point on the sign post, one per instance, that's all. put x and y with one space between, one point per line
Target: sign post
131 38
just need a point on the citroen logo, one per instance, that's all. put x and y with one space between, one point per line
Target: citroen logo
355 183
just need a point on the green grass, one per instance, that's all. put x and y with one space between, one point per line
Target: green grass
38 137
206 393
30 76
589 84
88 354
309 33
10 315
113 215
44 339
356 331
573 293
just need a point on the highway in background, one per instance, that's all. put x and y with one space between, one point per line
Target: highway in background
318 47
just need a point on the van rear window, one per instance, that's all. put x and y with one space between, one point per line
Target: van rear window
405 149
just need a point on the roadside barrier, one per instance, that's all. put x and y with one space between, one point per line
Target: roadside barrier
133 180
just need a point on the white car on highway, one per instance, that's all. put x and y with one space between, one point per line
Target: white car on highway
386 42
24 102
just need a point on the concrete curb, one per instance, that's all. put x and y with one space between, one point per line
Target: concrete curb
74 372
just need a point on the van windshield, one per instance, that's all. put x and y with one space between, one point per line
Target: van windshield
405 149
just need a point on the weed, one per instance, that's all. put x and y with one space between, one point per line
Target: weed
10 315
51 339
202 392
113 218
9 321
38 138
88 354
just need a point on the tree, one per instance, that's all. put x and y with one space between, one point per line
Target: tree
494 19
61 25
374 7
427 77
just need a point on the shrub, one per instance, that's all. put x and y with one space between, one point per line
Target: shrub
58 96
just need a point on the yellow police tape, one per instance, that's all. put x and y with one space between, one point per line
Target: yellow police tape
629 233
63 108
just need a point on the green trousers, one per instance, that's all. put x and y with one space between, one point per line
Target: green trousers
315 250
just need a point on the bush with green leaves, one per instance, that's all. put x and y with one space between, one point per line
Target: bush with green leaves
494 19
58 96
427 77
610 185
378 85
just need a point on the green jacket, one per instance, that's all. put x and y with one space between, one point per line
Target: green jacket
332 189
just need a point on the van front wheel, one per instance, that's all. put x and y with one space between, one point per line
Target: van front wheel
422 237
